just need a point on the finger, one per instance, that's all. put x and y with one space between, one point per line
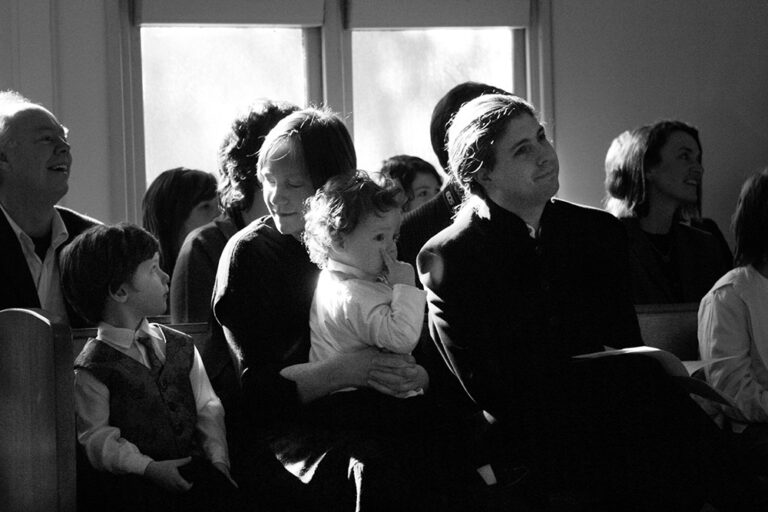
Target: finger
396 383
388 260
180 483
181 462
392 375
381 389
393 360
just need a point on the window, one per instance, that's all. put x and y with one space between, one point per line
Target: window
200 64
196 80
399 75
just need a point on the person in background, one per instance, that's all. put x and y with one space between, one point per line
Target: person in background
521 283
733 323
653 183
178 201
147 417
195 271
420 224
417 177
35 164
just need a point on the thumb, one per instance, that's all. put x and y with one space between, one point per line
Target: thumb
388 260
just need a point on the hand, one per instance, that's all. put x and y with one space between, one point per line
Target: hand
397 375
224 469
165 473
391 374
398 272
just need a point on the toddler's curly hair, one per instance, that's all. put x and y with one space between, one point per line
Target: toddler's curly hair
338 207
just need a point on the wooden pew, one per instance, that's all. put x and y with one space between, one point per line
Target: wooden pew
198 332
37 424
672 327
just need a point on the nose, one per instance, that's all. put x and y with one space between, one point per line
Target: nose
546 153
164 277
62 147
277 195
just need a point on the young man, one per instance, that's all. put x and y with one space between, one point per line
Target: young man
147 416
518 285
35 162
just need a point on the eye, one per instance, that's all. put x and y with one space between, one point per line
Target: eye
523 150
379 237
295 184
396 238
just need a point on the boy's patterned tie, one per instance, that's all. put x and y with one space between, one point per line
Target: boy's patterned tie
154 363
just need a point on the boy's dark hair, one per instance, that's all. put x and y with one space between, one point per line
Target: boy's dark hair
338 207
98 261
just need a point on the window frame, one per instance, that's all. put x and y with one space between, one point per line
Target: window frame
327 26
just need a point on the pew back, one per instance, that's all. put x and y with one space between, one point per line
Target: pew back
198 331
672 327
37 424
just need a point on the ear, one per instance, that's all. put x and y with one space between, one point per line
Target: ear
483 176
338 245
120 295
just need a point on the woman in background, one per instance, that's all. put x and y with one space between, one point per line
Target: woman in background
178 201
653 184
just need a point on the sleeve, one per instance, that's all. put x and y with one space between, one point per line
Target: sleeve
104 447
622 327
192 282
388 319
210 413
244 303
462 334
724 331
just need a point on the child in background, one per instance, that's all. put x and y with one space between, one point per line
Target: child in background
417 177
733 323
147 417
364 296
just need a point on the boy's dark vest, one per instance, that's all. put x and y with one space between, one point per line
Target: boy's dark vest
157 414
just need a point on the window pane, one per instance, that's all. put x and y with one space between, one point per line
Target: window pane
196 79
399 75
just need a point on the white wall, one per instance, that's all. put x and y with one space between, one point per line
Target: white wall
53 51
616 64
619 64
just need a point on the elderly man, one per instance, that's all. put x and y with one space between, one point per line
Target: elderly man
518 285
35 162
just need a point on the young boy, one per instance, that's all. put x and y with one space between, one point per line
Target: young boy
364 296
147 417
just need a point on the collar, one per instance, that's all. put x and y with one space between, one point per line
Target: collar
508 221
338 266
59 233
122 337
